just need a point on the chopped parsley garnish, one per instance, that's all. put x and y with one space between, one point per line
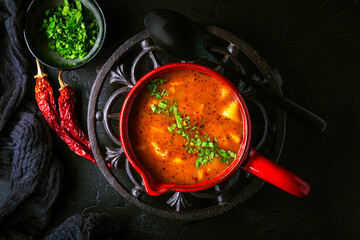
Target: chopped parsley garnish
71 30
172 127
153 88
202 146
163 104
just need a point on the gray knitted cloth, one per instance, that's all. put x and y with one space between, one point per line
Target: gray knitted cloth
25 150
25 142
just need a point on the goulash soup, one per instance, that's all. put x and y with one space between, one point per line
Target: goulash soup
185 127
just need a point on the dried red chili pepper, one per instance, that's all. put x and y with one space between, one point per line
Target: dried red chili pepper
65 125
67 113
45 98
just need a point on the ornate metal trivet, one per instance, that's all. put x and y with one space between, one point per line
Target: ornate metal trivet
118 75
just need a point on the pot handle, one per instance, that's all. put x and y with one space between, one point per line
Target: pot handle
272 173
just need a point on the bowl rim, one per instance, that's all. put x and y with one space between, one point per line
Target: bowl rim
59 67
151 186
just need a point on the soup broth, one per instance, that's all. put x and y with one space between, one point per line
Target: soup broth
185 127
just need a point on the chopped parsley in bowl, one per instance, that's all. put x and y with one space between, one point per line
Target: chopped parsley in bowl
71 30
64 34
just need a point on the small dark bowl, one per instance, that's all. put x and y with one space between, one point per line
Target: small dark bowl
38 43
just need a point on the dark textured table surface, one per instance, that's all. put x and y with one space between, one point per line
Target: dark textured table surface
315 46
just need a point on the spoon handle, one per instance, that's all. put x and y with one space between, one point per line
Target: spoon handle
290 106
296 110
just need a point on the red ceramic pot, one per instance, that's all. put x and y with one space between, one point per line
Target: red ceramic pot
247 158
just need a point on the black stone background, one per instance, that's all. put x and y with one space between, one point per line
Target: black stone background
315 45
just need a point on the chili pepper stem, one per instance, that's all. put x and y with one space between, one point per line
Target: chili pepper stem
40 73
61 82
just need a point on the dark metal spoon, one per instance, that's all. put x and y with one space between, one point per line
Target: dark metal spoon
184 39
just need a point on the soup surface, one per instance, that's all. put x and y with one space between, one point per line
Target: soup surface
185 127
